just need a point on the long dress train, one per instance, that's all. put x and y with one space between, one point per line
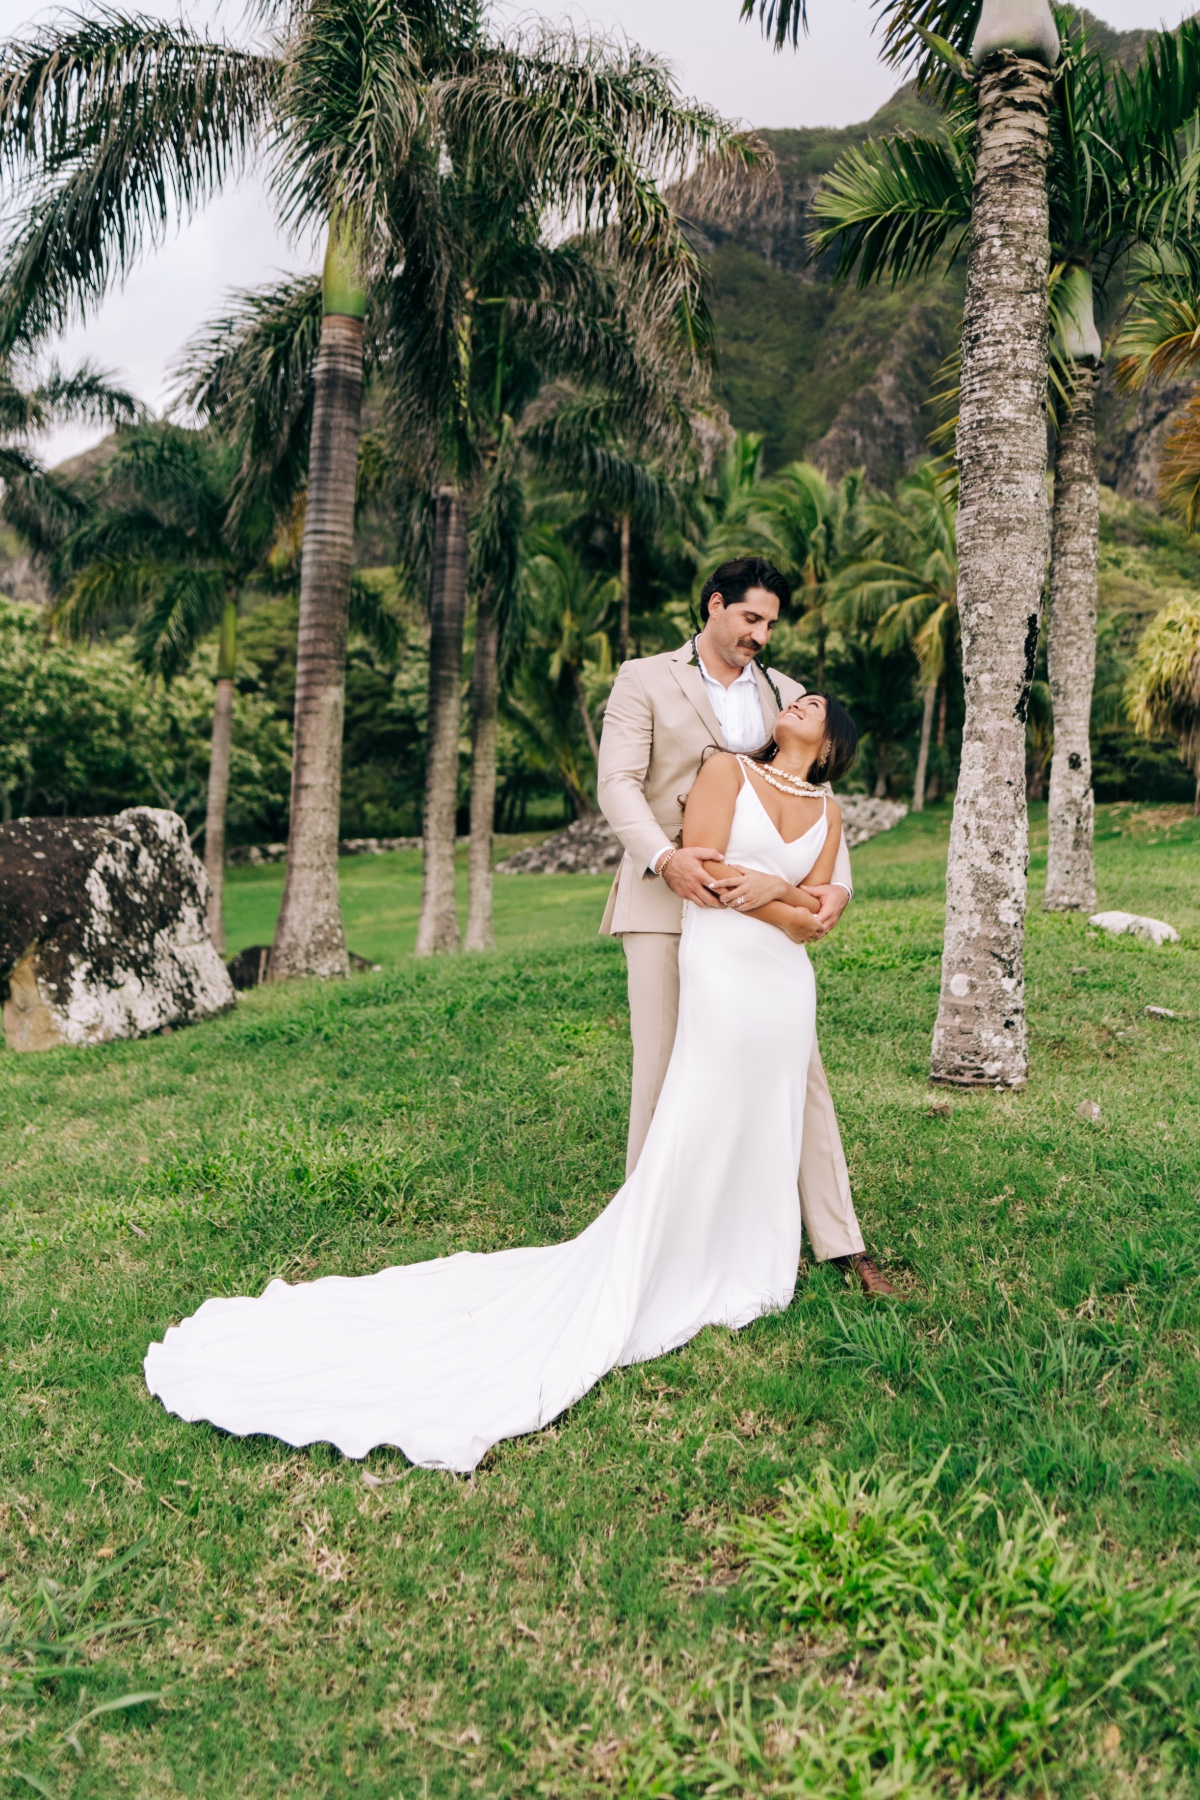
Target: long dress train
443 1359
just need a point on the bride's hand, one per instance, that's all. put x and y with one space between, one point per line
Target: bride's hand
802 926
749 889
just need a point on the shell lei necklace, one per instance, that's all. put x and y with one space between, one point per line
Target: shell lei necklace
795 785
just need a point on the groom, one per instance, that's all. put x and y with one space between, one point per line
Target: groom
663 714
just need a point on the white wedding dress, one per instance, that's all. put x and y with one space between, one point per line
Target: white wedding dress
443 1359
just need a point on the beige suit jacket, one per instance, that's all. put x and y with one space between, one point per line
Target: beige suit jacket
657 726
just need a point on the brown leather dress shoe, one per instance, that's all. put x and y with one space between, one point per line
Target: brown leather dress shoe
874 1282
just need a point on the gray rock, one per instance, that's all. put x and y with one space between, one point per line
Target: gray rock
1089 1110
589 846
253 856
1120 924
102 930
249 967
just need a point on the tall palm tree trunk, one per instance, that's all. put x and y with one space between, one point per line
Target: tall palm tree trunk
1071 652
1003 540
918 799
438 925
484 692
309 936
218 777
589 730
624 617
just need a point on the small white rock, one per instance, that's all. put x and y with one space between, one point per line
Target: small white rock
1118 924
1160 1012
1089 1110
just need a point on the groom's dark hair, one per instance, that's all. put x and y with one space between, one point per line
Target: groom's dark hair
733 581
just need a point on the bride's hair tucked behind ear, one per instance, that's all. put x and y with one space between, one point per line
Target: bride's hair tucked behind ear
837 752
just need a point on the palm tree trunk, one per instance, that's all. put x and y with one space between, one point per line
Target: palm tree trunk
309 936
918 799
484 692
589 730
438 926
624 626
1003 540
218 777
1071 652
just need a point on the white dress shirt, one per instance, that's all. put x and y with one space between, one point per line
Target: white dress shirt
738 709
739 714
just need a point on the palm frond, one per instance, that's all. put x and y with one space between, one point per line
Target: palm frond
350 106
1179 467
179 607
86 393
1161 334
43 506
132 125
1163 692
907 28
894 206
250 373
106 586
372 617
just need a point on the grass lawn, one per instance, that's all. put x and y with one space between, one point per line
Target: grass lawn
576 1617
381 901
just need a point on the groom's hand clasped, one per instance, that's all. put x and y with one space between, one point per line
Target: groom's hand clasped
685 874
832 900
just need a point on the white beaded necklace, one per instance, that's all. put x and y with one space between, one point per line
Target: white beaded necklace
795 785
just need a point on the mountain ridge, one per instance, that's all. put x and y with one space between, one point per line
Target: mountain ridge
842 376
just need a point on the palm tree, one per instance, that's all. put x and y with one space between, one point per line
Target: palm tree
570 358
30 403
906 585
1163 695
121 125
572 607
566 660
980 1035
806 525
894 208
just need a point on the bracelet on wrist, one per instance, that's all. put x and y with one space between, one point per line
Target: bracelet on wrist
663 860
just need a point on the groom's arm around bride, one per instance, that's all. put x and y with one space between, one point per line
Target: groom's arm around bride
665 714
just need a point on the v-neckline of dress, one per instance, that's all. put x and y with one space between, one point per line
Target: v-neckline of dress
786 842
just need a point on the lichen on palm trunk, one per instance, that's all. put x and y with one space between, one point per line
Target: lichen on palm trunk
309 937
1003 541
484 694
214 820
1071 652
438 925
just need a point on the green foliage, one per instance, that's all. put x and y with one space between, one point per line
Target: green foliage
83 731
1164 684
983 1652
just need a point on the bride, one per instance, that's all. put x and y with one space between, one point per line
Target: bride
443 1359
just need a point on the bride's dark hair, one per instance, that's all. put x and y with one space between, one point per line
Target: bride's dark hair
837 752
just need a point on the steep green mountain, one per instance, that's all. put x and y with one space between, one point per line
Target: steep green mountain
843 376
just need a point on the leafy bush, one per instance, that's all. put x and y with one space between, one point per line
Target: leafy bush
951 1651
83 731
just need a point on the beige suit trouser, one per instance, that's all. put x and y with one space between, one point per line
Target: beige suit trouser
826 1208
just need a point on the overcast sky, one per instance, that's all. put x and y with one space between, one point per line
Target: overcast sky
835 78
